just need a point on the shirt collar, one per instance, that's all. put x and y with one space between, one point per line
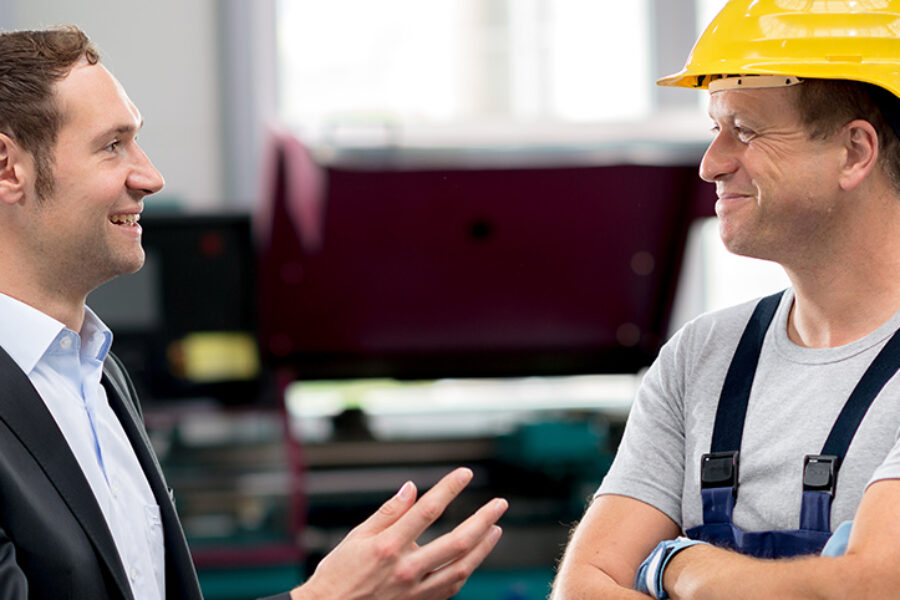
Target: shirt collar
26 333
97 337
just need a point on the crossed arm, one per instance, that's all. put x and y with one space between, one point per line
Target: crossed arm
869 569
617 533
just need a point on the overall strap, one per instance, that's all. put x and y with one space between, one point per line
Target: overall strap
735 396
820 471
875 378
719 468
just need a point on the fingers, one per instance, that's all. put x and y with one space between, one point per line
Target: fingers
449 579
390 511
431 506
465 538
383 550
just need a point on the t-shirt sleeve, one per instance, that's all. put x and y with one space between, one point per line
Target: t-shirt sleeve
890 466
649 464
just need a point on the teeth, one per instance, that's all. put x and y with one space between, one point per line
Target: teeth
131 219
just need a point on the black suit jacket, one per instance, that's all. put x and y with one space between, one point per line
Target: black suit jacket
54 541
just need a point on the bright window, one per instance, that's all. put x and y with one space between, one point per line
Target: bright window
408 63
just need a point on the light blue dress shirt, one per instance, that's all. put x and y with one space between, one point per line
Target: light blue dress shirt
65 367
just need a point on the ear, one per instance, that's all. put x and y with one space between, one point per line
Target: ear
15 168
861 151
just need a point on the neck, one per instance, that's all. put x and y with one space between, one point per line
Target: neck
850 290
831 317
52 300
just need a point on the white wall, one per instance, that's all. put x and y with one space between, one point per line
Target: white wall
165 53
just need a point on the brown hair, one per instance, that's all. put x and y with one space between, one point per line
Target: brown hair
31 62
827 105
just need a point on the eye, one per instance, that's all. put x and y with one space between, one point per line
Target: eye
112 146
744 134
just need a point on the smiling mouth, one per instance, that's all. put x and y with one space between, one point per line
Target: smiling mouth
130 220
723 195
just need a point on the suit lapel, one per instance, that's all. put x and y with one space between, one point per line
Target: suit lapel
24 412
181 578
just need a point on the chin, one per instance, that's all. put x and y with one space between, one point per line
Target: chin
123 267
133 268
739 242
742 249
134 263
732 243
751 250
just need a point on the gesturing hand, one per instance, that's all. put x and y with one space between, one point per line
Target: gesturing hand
380 560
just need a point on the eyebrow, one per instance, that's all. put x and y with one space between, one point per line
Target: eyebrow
117 130
730 115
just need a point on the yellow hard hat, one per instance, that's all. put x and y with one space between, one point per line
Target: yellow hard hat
858 40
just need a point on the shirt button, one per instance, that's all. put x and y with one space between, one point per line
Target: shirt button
133 574
65 343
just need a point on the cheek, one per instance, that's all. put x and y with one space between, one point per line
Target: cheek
765 175
797 173
91 196
773 159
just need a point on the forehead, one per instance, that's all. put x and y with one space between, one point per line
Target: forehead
762 104
91 99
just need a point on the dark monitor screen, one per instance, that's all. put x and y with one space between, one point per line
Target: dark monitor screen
185 324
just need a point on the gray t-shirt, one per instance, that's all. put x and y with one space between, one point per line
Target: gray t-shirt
796 397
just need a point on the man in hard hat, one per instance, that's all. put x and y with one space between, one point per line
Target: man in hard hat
84 508
759 429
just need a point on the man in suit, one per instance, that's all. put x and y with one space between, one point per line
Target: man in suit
84 508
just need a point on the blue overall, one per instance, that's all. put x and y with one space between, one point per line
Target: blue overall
719 473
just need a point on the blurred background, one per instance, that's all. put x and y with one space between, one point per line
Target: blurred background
397 237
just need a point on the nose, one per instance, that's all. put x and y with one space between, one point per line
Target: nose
144 177
718 160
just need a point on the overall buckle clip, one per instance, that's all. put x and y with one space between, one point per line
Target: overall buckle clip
719 469
820 473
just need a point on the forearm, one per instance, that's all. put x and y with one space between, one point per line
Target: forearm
586 581
708 573
607 547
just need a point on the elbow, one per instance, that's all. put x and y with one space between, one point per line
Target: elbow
566 583
584 581
562 586
860 577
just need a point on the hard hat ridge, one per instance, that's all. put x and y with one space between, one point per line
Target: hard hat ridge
857 40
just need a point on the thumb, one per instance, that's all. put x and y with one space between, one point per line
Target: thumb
390 511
